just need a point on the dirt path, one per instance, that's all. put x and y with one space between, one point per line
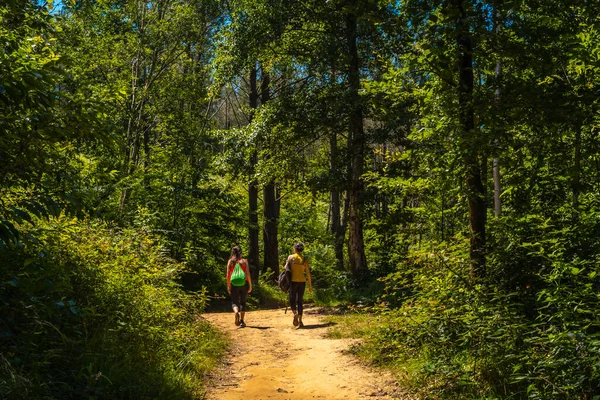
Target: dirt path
271 360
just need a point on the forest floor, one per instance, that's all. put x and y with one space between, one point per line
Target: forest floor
270 359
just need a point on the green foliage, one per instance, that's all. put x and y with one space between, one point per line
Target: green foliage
531 338
39 122
95 312
159 174
138 113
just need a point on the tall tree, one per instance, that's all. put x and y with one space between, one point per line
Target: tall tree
337 227
497 75
470 142
270 200
356 149
253 227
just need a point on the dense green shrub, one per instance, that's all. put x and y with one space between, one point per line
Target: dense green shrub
94 312
495 338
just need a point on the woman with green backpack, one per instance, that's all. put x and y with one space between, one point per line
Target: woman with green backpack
238 273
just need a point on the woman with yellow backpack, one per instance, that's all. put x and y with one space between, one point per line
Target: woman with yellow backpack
238 273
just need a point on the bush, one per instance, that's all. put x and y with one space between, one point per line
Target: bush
94 312
453 337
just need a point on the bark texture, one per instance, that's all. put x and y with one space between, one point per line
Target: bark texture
356 150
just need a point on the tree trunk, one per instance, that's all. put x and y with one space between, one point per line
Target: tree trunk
253 255
470 146
496 161
131 128
497 188
271 253
356 149
270 204
337 228
335 194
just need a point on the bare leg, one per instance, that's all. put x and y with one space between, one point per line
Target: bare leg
236 310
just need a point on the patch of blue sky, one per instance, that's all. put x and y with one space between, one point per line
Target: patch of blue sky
53 6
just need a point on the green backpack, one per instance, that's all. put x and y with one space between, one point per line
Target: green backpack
238 276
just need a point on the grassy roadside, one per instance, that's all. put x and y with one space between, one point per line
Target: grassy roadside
91 312
365 325
415 370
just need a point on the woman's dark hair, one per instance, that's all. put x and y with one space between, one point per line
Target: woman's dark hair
236 252
299 247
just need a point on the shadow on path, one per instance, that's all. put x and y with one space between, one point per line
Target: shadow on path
262 328
317 326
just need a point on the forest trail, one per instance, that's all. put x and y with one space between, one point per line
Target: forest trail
270 359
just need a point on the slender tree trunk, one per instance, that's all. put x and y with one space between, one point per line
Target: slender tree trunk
135 110
329 217
339 232
497 187
496 161
271 254
270 212
338 221
253 255
131 128
470 147
343 227
337 227
335 194
356 150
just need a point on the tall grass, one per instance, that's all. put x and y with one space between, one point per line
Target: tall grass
93 312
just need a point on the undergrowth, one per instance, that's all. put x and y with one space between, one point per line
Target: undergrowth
447 336
93 312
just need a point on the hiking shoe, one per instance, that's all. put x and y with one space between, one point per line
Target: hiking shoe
237 319
300 325
296 320
242 324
